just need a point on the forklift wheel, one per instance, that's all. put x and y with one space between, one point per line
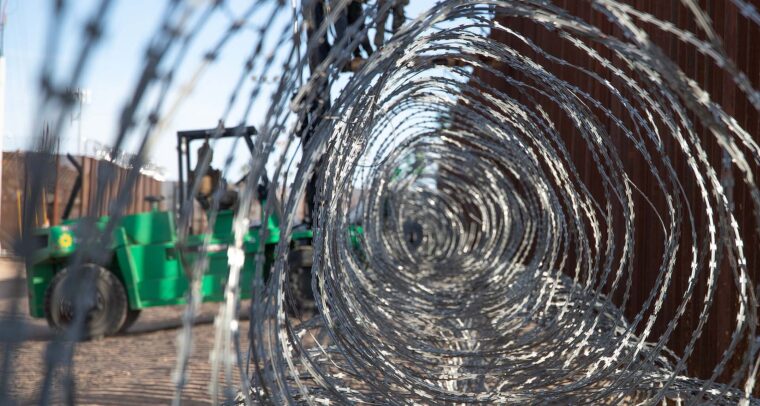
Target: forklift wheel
98 290
299 264
132 316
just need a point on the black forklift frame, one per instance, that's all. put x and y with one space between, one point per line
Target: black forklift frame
184 138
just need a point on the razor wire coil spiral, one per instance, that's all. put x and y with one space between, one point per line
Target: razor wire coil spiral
490 268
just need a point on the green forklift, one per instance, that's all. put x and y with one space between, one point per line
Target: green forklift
147 265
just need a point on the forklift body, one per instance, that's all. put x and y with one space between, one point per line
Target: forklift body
146 256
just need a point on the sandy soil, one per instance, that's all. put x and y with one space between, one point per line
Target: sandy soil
130 369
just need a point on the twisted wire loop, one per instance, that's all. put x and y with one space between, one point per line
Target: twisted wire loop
489 270
462 252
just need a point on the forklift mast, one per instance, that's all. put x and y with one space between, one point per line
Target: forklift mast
186 138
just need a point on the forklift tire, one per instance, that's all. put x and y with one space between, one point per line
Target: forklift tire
102 294
132 316
300 261
301 256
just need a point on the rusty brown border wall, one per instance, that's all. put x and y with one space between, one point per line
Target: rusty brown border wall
742 42
59 188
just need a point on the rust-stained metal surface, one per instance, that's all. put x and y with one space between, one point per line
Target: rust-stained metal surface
59 187
741 39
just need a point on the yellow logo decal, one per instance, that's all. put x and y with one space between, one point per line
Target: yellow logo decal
65 241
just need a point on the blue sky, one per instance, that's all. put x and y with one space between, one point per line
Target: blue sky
114 69
112 73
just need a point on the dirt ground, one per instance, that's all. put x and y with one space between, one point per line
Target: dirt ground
131 369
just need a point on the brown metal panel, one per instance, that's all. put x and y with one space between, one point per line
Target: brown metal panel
84 191
116 188
742 42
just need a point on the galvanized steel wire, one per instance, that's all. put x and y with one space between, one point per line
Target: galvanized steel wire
471 206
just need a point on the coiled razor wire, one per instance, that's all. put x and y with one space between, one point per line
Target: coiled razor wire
486 267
